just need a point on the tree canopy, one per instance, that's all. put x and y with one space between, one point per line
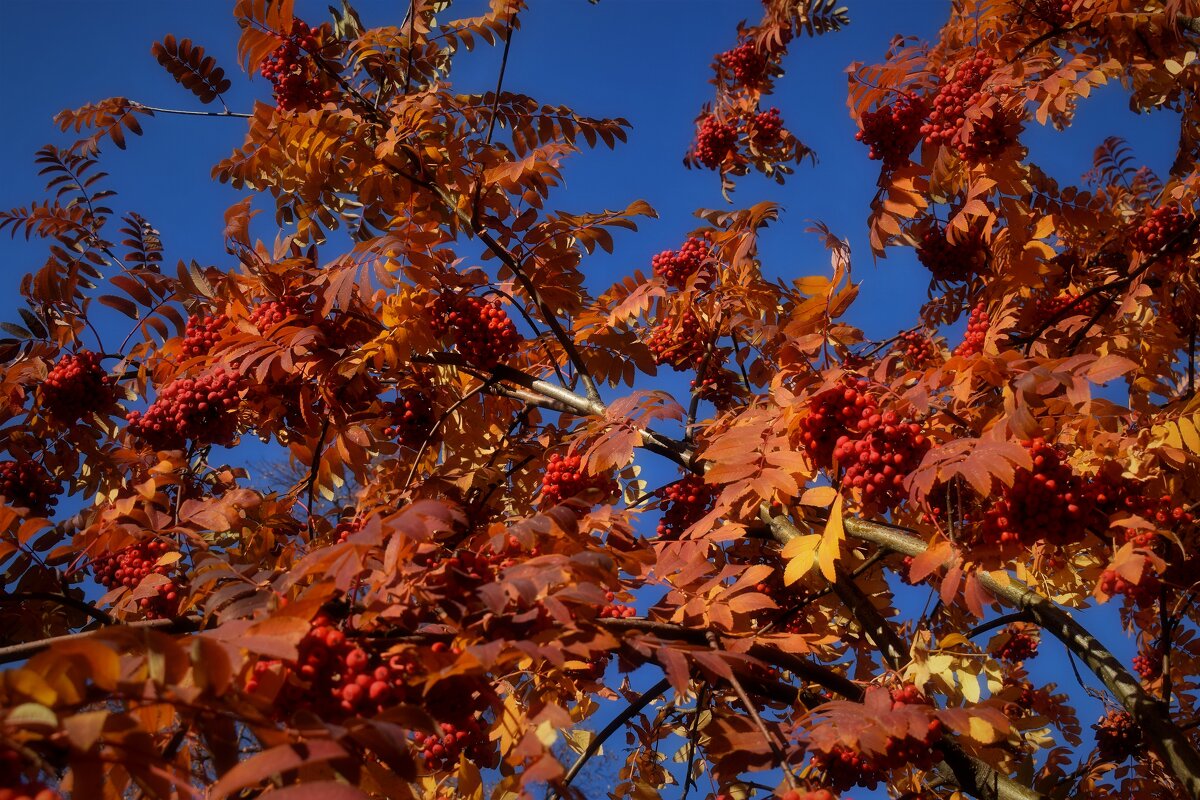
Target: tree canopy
462 583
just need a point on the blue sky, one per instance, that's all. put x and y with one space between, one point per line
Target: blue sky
646 60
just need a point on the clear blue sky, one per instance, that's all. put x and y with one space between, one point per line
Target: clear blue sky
646 60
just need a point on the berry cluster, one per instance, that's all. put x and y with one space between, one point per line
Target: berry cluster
681 345
834 413
130 565
28 791
745 64
1117 736
200 409
337 678
615 610
989 133
441 753
683 503
844 768
808 794
347 528
893 130
766 130
1055 13
977 328
1164 231
1019 646
676 266
1045 503
480 329
1111 493
1148 663
952 261
1143 593
565 478
877 463
411 418
1048 308
13 785
269 313
76 385
27 484
908 695
202 334
719 386
917 350
292 70
715 142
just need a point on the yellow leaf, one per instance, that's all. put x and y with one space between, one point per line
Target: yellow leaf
800 552
831 542
818 496
982 731
970 686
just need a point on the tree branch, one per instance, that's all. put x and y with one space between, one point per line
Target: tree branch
63 600
20 652
612 727
1162 735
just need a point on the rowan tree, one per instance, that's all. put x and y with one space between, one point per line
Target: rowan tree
410 319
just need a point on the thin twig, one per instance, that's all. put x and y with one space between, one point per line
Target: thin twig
628 713
777 746
184 113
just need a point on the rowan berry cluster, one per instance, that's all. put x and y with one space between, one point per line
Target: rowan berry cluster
952 261
480 329
719 386
1045 503
947 120
75 386
441 753
1117 736
844 768
200 409
1110 493
293 71
745 64
715 142
1019 646
13 785
675 267
347 528
808 794
683 503
28 791
1049 308
917 350
977 328
1164 231
990 133
681 345
908 695
766 130
130 565
564 478
266 315
1148 663
411 420
615 610
878 462
1055 13
834 413
335 678
27 484
202 334
1143 592
893 130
